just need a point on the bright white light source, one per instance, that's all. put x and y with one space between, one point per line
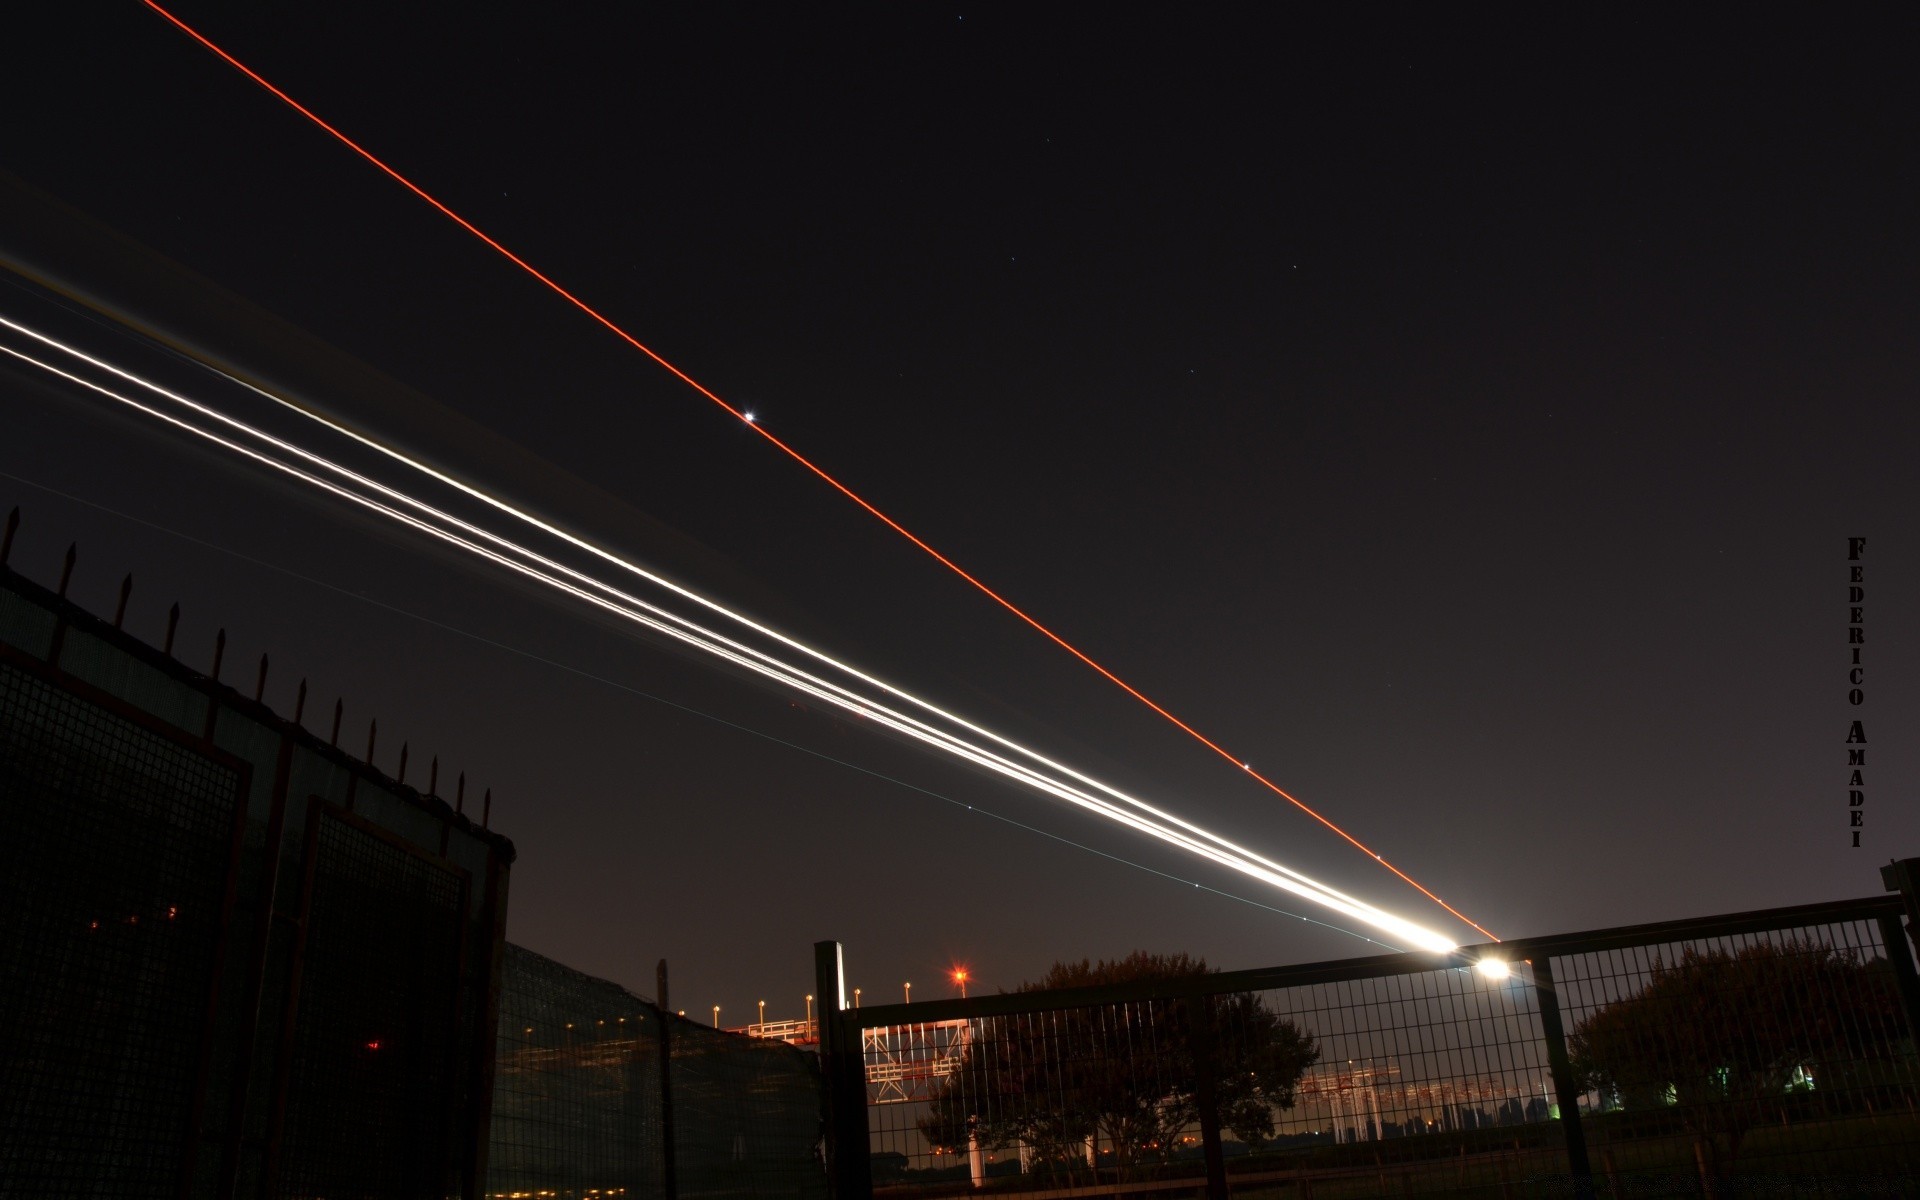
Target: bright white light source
1492 968
748 416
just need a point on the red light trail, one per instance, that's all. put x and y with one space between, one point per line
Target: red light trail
747 420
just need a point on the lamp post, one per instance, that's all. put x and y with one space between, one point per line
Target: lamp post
716 1016
763 1012
856 997
960 977
909 988
809 1010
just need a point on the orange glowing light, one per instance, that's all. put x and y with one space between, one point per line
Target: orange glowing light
748 420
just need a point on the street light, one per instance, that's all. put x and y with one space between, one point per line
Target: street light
716 1016
960 977
809 1010
763 1012
909 988
856 997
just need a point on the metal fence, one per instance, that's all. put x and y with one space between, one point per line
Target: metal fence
1767 1051
239 962
242 963
582 1108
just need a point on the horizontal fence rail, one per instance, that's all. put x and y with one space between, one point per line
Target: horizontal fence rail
1756 1051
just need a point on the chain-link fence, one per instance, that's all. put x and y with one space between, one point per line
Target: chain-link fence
581 1106
1762 1052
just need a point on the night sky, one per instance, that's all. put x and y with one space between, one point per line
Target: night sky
1463 423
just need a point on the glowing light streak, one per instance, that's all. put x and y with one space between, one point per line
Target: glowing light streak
748 420
690 711
634 568
860 706
698 637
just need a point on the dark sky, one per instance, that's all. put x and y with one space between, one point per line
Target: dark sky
1461 422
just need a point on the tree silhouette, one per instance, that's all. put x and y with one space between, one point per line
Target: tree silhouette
1721 1036
1124 1074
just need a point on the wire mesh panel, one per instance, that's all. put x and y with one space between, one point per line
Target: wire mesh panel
1419 1082
1427 1082
372 1086
1068 1097
747 1117
1778 1060
576 1086
115 855
204 991
579 1108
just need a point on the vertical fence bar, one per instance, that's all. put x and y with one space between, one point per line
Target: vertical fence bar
669 1178
1205 1094
59 642
1566 1091
849 1173
1901 960
486 1035
1904 877
254 981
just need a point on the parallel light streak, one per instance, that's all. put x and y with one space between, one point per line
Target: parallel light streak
529 563
747 418
599 585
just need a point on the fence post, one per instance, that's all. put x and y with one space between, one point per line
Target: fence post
1904 977
1565 1091
1205 1097
669 1179
849 1174
1904 877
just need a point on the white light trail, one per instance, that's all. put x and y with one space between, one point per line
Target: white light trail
635 569
533 565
